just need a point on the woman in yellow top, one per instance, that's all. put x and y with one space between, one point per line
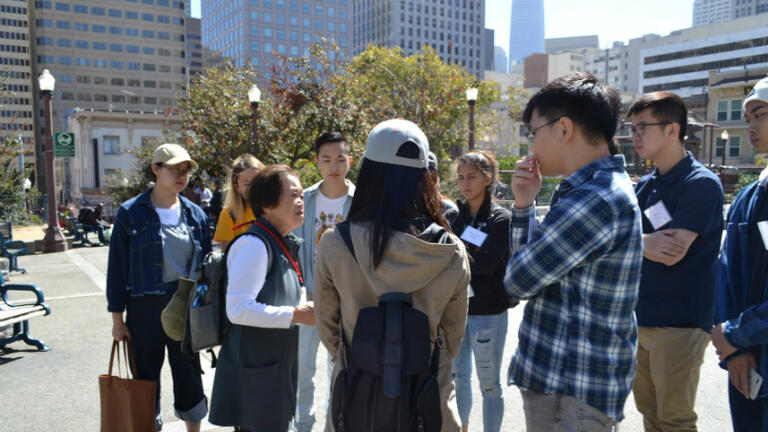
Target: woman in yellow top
236 216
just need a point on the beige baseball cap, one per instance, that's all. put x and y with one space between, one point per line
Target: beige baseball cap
172 154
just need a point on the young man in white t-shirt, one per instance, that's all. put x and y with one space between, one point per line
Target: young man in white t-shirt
325 204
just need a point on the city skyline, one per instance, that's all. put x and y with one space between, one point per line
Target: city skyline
563 19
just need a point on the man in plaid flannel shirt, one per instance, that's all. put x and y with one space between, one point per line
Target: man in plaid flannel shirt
580 269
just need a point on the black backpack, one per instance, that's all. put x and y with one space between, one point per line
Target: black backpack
207 323
388 380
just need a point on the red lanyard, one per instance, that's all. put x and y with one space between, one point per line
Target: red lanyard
280 242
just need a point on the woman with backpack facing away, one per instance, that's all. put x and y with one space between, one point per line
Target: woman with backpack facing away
402 245
484 228
158 237
256 378
236 216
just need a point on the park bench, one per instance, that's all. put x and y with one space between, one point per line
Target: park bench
76 229
11 248
19 314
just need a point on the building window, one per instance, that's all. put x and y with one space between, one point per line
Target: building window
729 110
100 98
111 144
736 110
45 59
734 146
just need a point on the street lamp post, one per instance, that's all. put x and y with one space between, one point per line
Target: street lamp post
471 100
54 239
724 137
254 96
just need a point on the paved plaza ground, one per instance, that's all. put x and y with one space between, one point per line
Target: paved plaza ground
58 391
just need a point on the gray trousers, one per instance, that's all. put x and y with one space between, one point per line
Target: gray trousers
560 413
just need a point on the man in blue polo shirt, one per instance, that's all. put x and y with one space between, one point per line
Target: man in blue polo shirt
682 205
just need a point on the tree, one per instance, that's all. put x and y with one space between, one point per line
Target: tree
312 94
12 195
215 117
385 84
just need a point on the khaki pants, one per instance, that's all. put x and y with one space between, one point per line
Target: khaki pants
668 364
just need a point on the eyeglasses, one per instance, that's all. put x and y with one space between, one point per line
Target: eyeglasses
639 130
178 171
531 135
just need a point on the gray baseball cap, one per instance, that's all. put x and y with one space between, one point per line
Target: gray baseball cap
387 137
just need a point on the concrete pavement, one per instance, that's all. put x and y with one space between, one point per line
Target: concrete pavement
58 390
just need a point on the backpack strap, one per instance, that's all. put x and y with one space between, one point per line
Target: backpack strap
393 304
346 235
254 234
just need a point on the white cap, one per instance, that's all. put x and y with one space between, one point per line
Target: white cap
759 92
387 137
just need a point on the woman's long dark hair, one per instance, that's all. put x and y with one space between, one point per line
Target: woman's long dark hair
391 197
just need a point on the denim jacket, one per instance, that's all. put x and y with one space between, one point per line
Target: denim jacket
308 233
135 264
744 326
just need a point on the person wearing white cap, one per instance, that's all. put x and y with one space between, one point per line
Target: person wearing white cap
394 244
741 337
158 238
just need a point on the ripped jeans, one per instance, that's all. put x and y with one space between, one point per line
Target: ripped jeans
484 338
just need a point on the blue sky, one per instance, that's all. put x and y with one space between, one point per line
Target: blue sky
612 20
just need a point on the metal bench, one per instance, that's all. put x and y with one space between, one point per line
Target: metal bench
11 248
19 314
77 230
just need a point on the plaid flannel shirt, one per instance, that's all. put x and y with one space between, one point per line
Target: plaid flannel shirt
580 272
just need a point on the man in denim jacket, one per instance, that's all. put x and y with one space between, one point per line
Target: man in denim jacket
741 335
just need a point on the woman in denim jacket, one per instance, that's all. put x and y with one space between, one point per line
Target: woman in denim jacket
159 237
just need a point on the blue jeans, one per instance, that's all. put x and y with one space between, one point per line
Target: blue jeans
309 342
484 338
747 415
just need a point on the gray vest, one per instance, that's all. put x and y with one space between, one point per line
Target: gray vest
256 377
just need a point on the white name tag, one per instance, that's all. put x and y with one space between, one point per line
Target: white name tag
658 215
763 227
474 236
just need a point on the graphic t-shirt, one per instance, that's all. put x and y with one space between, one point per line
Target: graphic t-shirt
328 212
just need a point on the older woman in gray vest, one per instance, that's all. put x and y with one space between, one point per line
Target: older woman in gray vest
255 383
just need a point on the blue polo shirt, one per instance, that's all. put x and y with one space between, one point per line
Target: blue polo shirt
682 295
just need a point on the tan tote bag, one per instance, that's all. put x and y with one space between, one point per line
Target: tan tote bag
127 404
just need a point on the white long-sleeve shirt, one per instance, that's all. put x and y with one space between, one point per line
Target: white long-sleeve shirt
247 262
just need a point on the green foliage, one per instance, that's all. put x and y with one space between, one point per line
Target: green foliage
384 84
13 199
216 117
309 95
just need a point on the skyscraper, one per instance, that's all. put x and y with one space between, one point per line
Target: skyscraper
499 59
17 113
250 31
526 35
715 11
454 28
